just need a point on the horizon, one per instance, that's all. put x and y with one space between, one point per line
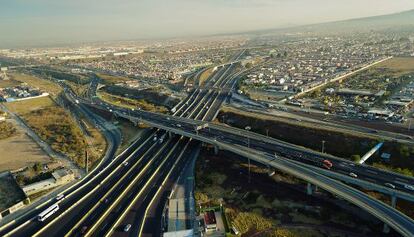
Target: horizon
61 23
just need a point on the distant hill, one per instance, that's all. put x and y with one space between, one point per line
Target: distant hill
396 21
399 20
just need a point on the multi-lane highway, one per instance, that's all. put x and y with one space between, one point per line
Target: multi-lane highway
98 207
131 190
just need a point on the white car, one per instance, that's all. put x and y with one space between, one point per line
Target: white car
409 187
389 185
353 175
127 227
60 196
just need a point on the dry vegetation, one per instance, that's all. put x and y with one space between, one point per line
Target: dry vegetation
108 79
205 75
6 130
53 125
131 103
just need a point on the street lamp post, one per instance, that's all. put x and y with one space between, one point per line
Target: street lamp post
323 146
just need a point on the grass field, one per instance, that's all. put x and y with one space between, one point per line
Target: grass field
399 65
131 103
25 106
205 75
42 84
8 83
108 79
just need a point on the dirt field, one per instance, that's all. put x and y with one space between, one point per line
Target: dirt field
20 151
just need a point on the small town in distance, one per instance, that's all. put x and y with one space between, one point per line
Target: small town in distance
278 123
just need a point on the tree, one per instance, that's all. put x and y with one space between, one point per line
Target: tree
356 158
37 167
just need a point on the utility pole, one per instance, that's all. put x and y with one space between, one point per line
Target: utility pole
86 161
249 170
323 146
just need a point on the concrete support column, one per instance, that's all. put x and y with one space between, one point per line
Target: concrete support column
309 189
386 229
216 150
169 134
393 200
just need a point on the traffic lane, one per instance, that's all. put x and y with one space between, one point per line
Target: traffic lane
35 225
120 183
34 212
135 216
74 214
273 147
121 207
153 220
380 178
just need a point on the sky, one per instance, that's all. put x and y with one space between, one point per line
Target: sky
42 22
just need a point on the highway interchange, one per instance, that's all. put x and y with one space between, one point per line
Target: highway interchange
125 189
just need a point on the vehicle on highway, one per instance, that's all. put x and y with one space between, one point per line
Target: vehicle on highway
327 164
409 187
390 185
178 125
48 212
353 175
83 230
155 138
125 163
60 196
162 138
127 227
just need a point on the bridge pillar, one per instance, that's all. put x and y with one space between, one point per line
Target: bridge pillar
393 200
169 134
216 150
309 189
386 229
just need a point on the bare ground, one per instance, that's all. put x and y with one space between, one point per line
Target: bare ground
20 151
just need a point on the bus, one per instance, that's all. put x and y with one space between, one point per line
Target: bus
48 212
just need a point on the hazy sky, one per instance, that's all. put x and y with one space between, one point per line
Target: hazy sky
32 22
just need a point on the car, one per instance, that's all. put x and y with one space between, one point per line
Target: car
168 118
353 175
126 163
60 197
127 227
84 229
409 187
179 125
390 185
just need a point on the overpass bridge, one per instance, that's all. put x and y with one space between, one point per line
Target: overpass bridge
319 177
316 176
